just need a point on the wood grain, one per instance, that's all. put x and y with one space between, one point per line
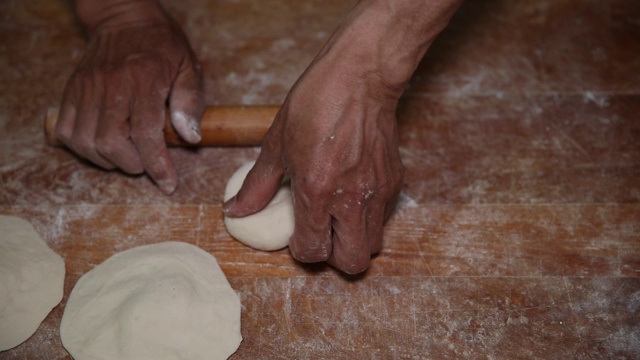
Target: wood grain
516 235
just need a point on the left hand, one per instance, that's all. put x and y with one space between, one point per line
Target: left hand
113 110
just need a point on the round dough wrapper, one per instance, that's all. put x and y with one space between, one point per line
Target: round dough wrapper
31 281
163 301
268 229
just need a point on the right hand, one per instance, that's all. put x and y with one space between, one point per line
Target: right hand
113 109
335 137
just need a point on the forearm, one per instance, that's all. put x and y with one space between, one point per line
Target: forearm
99 14
388 38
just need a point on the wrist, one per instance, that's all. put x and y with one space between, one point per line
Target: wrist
385 40
98 15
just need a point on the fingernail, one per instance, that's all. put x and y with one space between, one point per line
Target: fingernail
229 205
187 126
167 186
195 129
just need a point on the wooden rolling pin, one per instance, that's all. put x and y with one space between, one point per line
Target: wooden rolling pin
235 125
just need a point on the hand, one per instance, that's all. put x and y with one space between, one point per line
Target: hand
335 137
113 109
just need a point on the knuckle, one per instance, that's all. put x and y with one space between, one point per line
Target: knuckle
141 135
63 133
82 144
86 76
106 146
145 63
315 189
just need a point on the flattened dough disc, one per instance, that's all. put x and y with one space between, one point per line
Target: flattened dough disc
163 301
31 280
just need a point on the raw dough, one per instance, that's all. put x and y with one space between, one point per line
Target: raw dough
268 229
31 280
164 301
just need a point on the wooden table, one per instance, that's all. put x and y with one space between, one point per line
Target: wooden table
517 233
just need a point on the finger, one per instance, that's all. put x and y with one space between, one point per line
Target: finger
187 102
258 188
147 123
391 202
374 224
311 239
83 139
67 116
112 136
351 252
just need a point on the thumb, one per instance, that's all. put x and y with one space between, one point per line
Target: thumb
258 188
186 102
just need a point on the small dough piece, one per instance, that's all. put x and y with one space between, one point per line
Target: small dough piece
31 281
270 228
163 301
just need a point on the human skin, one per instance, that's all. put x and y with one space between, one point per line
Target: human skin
336 136
113 108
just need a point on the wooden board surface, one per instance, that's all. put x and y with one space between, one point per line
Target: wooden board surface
516 235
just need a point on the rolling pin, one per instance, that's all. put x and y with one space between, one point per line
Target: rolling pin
232 125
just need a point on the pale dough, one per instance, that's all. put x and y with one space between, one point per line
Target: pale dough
31 280
268 229
164 301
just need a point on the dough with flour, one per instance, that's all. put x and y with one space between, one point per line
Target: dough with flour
163 301
268 229
31 280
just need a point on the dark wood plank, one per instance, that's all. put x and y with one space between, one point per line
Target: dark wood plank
517 234
451 281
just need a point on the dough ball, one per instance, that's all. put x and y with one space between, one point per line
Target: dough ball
268 229
31 280
164 301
